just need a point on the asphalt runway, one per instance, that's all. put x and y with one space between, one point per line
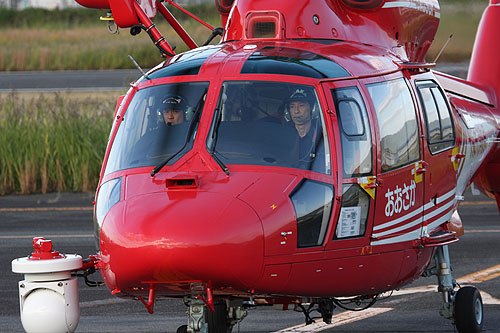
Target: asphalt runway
80 80
107 80
66 218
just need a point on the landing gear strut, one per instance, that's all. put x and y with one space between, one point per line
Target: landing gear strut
325 307
201 320
463 307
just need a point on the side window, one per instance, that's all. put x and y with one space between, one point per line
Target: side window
353 213
354 132
440 134
447 132
397 121
431 116
313 203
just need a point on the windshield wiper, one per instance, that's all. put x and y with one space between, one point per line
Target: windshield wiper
192 126
219 162
218 118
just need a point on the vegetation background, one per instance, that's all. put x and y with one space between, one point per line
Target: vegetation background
75 38
37 39
56 142
53 142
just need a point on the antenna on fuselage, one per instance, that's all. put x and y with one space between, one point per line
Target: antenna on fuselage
442 49
138 67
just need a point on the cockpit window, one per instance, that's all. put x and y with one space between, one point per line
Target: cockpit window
354 132
187 63
271 124
155 125
289 61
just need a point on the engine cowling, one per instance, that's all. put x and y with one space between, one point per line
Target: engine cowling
407 28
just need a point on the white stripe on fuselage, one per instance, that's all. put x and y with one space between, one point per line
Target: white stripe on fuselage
415 234
430 7
417 211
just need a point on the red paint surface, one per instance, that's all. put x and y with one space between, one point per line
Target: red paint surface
225 232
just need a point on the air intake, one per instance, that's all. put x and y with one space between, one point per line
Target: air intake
263 25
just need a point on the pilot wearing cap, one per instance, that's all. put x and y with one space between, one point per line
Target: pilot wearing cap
300 104
173 110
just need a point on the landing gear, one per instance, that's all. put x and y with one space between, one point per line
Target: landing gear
201 320
463 307
182 329
196 312
324 306
468 310
218 322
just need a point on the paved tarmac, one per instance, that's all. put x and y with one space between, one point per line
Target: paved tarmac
99 80
80 80
66 218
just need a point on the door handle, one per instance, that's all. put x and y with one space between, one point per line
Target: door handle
421 170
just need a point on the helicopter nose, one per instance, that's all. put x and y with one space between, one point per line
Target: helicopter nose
203 236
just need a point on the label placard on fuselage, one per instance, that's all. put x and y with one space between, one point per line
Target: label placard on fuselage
349 222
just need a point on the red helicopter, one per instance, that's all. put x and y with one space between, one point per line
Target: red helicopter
310 157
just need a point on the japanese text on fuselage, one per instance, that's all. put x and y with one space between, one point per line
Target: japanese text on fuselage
402 198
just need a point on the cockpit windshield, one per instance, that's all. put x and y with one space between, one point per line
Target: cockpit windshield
270 124
155 126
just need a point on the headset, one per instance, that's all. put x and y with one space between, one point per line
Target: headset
176 102
301 94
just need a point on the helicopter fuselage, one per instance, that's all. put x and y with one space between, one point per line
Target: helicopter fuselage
270 225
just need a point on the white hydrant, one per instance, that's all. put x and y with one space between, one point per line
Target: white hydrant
48 295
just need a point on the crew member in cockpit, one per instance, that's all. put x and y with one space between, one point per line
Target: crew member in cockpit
174 108
301 104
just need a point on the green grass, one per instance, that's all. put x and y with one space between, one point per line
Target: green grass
68 18
52 143
77 39
460 19
38 39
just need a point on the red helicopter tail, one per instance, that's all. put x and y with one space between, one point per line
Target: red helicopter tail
485 71
484 66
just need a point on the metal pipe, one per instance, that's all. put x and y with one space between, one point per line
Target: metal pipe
177 26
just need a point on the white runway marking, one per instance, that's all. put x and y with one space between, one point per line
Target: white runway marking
351 316
337 320
44 209
47 236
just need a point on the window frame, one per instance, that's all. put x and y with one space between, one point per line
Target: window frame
322 120
367 85
435 147
367 130
131 111
326 220
364 224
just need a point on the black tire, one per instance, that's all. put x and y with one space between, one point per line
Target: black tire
468 310
217 321
182 329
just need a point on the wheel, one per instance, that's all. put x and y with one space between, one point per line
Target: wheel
182 329
217 321
326 308
468 310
